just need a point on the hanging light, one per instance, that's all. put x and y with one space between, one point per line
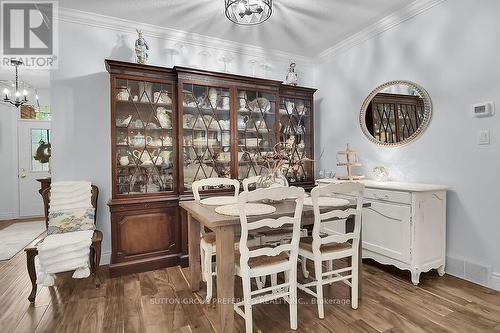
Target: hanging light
17 101
248 12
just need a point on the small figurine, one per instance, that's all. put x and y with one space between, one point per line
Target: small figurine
141 49
291 76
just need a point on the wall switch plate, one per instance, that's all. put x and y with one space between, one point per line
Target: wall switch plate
483 137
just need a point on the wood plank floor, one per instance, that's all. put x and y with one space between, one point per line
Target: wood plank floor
160 301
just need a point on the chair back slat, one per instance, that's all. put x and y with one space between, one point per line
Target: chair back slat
198 185
249 181
338 214
273 223
348 188
276 194
270 251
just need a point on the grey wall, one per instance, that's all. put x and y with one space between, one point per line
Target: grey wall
8 166
452 51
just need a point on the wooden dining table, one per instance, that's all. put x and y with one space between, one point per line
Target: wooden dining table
226 228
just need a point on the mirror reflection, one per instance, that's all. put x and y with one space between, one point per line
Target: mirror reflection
395 113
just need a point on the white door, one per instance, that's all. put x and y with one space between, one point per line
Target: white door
33 139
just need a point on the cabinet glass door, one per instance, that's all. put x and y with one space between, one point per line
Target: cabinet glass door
296 134
143 136
256 115
206 132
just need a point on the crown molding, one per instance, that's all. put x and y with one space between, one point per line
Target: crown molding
390 21
176 36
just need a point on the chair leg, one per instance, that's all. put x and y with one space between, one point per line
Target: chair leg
292 279
319 287
330 268
208 275
260 281
30 256
96 247
247 303
202 259
274 281
354 281
305 272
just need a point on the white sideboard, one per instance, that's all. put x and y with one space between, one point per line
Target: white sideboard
405 225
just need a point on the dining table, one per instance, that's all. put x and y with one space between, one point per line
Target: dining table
226 228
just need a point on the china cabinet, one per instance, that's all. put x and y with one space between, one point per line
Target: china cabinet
170 127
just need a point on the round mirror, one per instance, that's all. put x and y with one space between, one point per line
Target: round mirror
395 113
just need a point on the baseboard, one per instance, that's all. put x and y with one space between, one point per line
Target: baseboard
8 216
105 258
478 273
495 281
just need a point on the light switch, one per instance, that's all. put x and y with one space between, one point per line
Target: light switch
483 137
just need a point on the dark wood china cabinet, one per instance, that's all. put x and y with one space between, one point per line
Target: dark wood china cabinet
170 127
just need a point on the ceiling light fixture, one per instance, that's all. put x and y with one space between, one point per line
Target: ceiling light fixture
17 101
248 12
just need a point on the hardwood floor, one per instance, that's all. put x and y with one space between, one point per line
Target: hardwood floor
161 301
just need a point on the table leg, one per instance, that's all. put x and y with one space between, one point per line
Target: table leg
225 277
194 253
350 228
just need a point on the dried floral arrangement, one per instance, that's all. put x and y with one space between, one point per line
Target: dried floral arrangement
281 158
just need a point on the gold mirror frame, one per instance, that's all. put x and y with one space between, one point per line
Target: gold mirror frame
423 125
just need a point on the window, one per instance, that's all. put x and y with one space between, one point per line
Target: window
40 149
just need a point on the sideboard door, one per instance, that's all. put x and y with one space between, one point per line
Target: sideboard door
387 231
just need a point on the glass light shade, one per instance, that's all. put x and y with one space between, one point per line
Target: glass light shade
248 12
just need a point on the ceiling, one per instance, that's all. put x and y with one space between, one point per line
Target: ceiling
302 27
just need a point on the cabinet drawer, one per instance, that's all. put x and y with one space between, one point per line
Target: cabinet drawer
390 196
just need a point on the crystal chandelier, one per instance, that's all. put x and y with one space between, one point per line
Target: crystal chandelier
248 12
17 101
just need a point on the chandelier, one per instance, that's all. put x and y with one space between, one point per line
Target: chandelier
248 12
18 100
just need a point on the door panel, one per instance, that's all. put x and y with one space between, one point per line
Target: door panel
141 233
387 230
33 138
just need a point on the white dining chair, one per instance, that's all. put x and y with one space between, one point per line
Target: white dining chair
249 181
254 262
270 236
333 246
207 241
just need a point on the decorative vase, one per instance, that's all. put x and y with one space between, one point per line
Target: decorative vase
380 173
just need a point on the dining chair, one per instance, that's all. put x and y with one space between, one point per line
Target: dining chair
333 246
249 181
253 262
207 241
270 236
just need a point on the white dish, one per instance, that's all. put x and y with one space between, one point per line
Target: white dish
327 202
219 201
260 104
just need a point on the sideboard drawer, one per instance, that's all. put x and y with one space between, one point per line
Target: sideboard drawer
391 196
